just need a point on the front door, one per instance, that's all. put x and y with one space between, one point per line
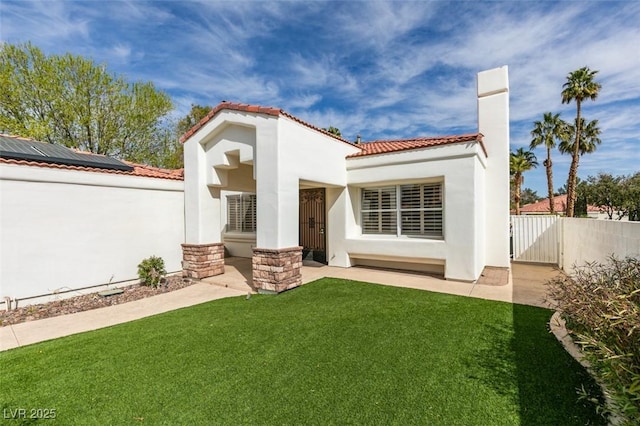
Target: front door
312 224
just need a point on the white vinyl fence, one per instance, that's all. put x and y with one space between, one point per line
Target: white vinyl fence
536 239
572 241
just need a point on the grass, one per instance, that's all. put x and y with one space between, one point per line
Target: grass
330 352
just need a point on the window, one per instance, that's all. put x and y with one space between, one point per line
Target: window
379 213
412 210
241 213
421 209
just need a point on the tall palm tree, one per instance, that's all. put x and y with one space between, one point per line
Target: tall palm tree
546 132
579 86
520 162
589 138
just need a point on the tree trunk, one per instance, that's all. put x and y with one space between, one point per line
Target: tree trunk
549 167
573 170
516 196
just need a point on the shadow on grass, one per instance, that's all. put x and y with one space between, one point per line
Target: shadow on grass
549 379
529 361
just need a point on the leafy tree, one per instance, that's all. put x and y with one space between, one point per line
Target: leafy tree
547 132
607 192
580 85
172 150
520 162
333 131
72 101
562 190
197 113
529 196
631 190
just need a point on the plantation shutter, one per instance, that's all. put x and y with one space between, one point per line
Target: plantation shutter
379 210
234 215
241 213
421 209
249 213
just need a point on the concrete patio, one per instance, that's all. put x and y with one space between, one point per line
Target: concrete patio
524 284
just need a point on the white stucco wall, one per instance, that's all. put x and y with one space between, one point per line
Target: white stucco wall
66 229
591 240
222 154
493 123
307 157
459 167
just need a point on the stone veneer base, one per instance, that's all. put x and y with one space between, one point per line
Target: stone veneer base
202 260
277 270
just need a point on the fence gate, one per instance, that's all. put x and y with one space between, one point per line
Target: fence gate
535 239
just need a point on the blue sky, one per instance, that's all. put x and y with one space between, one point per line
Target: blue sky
382 69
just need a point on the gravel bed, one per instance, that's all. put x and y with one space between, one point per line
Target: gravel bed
89 301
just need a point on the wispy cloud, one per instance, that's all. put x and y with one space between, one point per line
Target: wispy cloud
381 69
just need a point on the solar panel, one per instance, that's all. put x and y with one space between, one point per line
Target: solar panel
24 149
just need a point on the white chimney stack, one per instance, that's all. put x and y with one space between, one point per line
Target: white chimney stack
493 123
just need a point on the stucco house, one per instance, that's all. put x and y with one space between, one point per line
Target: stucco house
261 183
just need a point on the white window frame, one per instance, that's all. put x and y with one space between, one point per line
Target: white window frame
398 210
247 224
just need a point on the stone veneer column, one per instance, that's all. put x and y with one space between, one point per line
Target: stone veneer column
277 270
202 260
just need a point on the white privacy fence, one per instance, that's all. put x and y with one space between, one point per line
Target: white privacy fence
571 241
536 238
588 240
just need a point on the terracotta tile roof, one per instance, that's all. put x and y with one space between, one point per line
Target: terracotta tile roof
140 170
387 146
256 109
559 205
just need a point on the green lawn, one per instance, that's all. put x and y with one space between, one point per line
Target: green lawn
330 352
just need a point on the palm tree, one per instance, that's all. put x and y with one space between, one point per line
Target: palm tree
589 139
520 162
547 132
579 86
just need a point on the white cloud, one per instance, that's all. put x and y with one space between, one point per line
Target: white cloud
382 69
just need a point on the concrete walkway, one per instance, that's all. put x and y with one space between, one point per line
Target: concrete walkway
524 284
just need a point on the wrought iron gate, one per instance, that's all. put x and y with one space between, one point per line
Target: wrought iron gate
312 223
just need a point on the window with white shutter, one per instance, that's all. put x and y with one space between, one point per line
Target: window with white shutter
241 213
379 215
421 209
412 210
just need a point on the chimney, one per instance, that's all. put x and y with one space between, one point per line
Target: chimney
493 123
358 140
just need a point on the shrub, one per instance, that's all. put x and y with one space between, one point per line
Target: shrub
601 305
151 270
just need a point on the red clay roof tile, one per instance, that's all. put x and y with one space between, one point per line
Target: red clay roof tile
275 112
387 146
140 170
559 206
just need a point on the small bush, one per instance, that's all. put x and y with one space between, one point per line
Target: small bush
601 305
151 270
